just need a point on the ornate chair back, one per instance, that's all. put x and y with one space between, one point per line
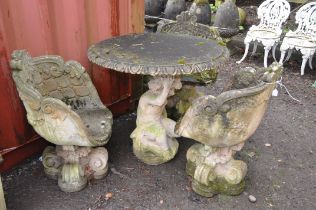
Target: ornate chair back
186 24
50 76
306 20
273 13
61 102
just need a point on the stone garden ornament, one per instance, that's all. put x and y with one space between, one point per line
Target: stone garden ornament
304 37
154 7
222 124
174 8
202 10
64 108
154 10
227 19
272 14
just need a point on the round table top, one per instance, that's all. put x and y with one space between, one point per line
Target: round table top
158 54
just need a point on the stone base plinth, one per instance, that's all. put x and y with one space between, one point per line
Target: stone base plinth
152 154
211 177
74 166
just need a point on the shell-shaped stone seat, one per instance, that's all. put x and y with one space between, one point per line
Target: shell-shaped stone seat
234 115
61 102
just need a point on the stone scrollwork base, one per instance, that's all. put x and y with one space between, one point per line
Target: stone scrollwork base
214 171
73 166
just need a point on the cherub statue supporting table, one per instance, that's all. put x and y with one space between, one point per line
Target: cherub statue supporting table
154 138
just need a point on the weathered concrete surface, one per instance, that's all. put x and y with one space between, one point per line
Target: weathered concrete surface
281 176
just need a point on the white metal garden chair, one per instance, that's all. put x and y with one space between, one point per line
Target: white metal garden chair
272 14
303 38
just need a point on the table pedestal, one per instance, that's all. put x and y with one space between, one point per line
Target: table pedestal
154 138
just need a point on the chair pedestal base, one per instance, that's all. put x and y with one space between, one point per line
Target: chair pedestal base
73 166
214 171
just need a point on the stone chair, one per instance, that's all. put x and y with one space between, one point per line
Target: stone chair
64 108
221 125
272 14
303 38
186 23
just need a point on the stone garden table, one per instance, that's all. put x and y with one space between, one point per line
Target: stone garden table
165 57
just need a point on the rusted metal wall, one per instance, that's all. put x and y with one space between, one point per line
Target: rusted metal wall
66 28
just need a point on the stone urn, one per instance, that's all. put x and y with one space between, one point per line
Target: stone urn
201 9
221 125
174 8
227 19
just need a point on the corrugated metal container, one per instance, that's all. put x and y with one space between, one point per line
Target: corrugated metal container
66 28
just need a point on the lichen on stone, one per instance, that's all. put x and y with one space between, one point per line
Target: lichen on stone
153 155
200 43
181 61
198 2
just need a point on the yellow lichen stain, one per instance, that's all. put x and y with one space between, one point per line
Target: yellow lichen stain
200 43
182 61
222 43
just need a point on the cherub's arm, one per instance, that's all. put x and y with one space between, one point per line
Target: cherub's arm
161 99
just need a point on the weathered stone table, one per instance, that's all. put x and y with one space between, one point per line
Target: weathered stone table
165 57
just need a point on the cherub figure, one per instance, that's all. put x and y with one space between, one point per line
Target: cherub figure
154 138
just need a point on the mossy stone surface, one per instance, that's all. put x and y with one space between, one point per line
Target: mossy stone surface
218 186
186 95
51 162
201 1
190 168
215 184
72 178
242 16
153 155
189 92
204 77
